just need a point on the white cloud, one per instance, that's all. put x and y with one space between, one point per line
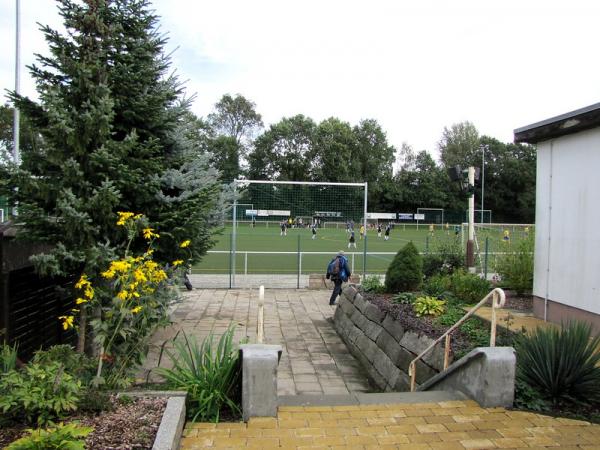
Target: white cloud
414 66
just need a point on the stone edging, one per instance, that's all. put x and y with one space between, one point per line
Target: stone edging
171 426
382 345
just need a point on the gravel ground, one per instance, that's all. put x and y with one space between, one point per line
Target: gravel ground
129 426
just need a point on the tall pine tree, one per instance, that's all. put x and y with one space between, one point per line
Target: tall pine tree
114 126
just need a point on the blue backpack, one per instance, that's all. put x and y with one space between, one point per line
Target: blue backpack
336 269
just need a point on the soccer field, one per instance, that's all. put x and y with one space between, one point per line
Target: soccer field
258 250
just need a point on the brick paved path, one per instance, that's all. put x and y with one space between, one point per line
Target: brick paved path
444 425
314 360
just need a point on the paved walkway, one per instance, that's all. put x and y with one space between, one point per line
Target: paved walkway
314 359
444 425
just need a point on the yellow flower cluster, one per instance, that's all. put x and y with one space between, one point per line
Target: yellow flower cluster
135 276
149 234
88 291
185 243
124 217
67 321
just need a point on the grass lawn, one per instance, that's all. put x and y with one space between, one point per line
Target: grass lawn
328 241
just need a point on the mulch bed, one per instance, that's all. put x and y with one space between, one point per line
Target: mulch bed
522 303
405 315
129 426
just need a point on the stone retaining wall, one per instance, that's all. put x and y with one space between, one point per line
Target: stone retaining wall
382 345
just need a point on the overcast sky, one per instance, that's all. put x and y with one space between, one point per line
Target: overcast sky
414 66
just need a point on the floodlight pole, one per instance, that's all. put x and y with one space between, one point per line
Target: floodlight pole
233 235
16 118
470 241
483 149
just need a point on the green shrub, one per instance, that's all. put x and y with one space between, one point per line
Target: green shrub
77 364
8 358
428 306
405 272
373 284
39 393
437 285
210 375
561 363
527 397
95 401
468 287
406 298
446 257
516 269
59 437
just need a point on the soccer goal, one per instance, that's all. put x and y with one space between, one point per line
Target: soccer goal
481 216
290 229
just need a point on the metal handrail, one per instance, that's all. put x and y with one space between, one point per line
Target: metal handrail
498 300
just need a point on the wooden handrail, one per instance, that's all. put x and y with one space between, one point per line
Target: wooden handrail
260 321
498 300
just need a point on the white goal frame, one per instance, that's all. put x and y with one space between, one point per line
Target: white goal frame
238 183
431 209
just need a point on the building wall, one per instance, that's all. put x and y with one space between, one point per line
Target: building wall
567 251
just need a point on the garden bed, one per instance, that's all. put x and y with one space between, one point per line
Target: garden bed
131 424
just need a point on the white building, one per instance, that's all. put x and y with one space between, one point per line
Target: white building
567 241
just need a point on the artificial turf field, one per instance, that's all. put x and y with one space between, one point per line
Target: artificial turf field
312 255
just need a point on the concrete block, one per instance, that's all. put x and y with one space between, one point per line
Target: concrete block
386 368
259 380
359 319
416 344
486 374
349 292
367 347
354 333
402 382
347 307
393 327
388 344
372 330
359 302
373 313
171 425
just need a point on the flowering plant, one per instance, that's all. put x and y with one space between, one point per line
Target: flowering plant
127 301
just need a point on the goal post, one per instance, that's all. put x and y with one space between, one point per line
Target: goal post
432 215
319 212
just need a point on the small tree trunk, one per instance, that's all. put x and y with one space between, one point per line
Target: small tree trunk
82 330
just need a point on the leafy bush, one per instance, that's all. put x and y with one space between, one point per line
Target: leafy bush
516 269
407 298
372 283
561 363
76 364
468 287
446 258
210 375
40 393
95 401
59 437
437 285
405 272
527 397
8 358
428 306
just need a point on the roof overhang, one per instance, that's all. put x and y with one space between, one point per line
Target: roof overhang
569 123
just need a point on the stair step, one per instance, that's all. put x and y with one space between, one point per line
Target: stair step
359 398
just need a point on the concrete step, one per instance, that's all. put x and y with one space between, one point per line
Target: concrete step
359 398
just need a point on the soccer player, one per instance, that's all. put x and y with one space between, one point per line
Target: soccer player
526 231
352 240
361 230
314 231
378 230
387 232
447 229
283 227
431 228
506 236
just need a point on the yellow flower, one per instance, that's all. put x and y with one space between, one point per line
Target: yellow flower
136 310
136 295
89 292
108 274
157 276
119 266
177 262
67 321
139 276
124 217
149 233
83 281
80 300
123 295
185 243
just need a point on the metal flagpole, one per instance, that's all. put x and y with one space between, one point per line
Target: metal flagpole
16 121
365 233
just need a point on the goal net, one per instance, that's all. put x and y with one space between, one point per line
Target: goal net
431 215
281 229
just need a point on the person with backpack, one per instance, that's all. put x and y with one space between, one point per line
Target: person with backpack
338 271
